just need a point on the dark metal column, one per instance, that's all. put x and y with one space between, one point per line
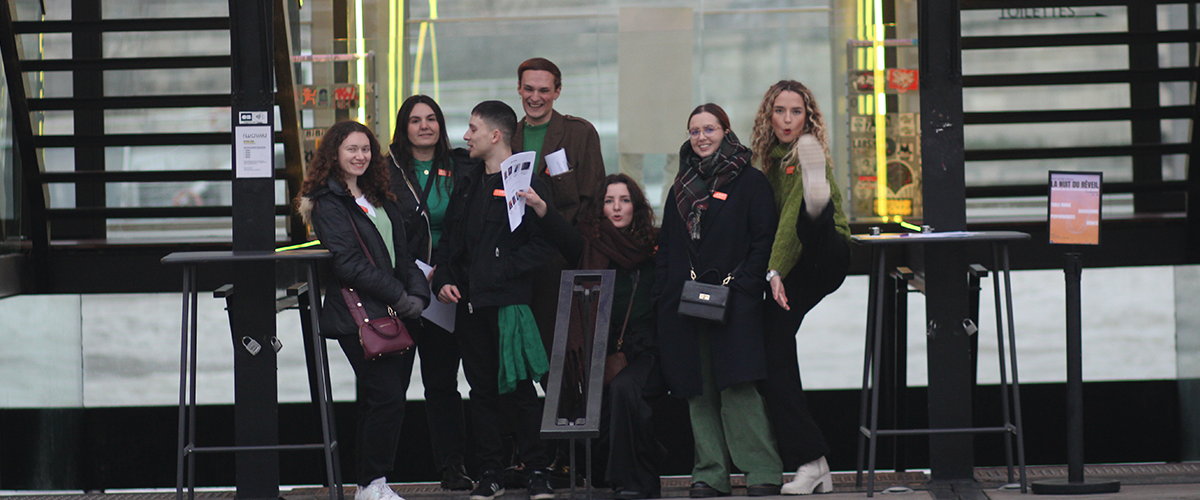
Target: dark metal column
251 308
86 43
950 367
1147 129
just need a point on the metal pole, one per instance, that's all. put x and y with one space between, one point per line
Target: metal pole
1075 483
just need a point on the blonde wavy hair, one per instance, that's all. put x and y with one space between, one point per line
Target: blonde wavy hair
763 139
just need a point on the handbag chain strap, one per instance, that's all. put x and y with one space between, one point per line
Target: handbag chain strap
724 282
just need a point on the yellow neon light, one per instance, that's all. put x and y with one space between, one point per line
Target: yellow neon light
433 14
881 195
432 31
905 225
395 59
362 63
418 64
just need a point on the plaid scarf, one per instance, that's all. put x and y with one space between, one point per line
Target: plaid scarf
699 177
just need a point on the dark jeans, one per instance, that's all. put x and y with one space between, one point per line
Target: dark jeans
381 387
478 341
443 403
627 419
821 270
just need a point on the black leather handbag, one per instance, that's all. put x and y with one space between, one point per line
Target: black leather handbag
704 300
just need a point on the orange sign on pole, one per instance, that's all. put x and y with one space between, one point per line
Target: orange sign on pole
1075 208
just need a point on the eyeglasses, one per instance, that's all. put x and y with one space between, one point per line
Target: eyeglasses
708 130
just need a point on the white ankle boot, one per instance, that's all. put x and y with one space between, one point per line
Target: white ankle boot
812 168
812 477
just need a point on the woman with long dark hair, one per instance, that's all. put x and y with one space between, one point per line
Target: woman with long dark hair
423 170
345 197
809 260
616 231
718 230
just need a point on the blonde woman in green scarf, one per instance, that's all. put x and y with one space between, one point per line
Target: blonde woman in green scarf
809 260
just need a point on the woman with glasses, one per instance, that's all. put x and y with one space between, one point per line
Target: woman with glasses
809 260
718 229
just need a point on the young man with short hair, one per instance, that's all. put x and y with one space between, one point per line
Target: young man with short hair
486 269
545 130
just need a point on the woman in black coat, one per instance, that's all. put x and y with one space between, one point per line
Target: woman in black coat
423 170
345 197
721 225
616 231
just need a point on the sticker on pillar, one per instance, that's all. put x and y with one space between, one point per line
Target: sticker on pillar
908 124
254 152
902 80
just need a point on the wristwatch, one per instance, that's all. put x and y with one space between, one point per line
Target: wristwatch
771 274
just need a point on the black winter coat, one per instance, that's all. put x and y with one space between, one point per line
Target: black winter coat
331 211
740 228
408 189
503 260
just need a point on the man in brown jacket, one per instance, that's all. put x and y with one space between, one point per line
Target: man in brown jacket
539 83
545 130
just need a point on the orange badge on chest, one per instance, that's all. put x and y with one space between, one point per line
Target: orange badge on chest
719 195
791 169
498 192
443 172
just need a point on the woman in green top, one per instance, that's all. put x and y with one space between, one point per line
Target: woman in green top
809 260
423 171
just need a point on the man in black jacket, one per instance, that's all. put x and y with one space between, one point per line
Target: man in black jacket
485 268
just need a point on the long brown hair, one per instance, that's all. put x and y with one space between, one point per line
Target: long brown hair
641 225
374 183
401 147
763 139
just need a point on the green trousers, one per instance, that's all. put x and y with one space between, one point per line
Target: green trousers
731 429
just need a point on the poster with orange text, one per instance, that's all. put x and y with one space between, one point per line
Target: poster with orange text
1075 208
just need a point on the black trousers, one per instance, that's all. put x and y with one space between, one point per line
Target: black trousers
627 419
478 340
821 270
381 387
443 403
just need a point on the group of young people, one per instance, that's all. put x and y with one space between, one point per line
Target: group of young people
764 219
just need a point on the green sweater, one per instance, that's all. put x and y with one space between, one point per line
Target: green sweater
789 193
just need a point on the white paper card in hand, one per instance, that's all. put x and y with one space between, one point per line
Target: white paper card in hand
440 314
556 162
517 173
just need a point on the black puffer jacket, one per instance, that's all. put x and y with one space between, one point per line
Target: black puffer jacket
330 210
503 260
407 188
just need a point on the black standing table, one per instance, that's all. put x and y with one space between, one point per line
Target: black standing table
869 413
187 364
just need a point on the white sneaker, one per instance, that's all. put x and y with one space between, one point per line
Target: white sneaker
812 477
812 166
376 491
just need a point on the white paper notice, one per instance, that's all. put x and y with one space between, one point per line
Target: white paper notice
517 173
255 152
440 314
556 162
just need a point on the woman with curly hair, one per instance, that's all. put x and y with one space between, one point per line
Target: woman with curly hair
616 231
809 260
345 196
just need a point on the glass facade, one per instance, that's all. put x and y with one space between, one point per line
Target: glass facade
635 72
